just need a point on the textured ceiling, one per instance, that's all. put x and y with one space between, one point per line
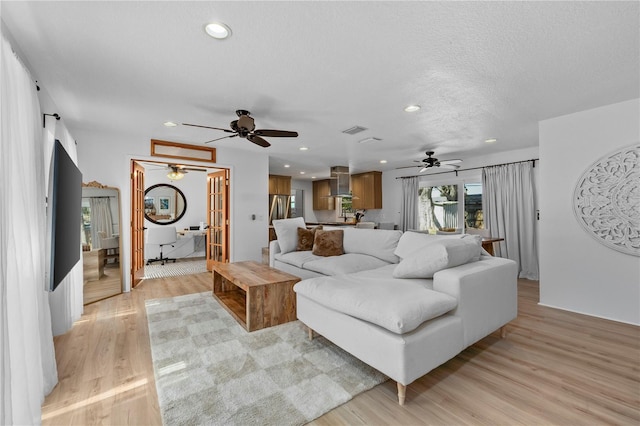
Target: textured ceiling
478 69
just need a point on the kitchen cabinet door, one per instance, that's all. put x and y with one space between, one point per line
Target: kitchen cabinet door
322 199
367 190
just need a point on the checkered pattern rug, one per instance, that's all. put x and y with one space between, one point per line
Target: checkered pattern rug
209 370
175 269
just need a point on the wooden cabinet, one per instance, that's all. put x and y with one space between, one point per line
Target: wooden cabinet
367 190
279 185
322 199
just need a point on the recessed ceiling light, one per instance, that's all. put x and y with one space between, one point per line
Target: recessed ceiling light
303 148
313 177
218 30
286 166
412 108
301 173
492 140
383 161
169 124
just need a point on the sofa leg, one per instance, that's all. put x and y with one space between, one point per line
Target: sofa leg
402 391
310 333
503 331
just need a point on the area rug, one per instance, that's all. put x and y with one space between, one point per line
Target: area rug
175 269
209 370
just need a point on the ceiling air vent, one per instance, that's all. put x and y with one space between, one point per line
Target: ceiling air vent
355 129
372 139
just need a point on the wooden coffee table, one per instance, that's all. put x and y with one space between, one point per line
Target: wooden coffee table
256 295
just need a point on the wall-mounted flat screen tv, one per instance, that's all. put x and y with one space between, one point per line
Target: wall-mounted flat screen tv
64 214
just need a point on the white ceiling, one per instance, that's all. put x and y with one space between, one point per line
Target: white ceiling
478 69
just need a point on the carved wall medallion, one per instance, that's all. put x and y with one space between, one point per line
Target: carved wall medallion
606 200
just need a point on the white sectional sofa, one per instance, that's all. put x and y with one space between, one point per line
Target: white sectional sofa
409 314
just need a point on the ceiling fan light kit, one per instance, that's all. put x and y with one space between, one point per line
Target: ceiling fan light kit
175 175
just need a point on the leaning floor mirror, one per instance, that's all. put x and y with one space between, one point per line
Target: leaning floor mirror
101 245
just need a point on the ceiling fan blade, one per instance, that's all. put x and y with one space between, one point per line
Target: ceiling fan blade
224 137
275 133
208 127
185 169
451 161
449 166
258 141
423 169
406 167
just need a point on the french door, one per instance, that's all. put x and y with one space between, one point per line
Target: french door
137 223
217 218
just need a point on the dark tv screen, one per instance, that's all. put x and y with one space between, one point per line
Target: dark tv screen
65 210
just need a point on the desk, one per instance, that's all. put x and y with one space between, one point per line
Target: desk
188 244
487 244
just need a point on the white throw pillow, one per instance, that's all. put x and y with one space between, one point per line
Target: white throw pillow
412 241
438 256
287 233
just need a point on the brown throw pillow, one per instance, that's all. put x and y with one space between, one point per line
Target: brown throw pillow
328 243
305 238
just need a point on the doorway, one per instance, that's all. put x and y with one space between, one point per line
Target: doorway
207 217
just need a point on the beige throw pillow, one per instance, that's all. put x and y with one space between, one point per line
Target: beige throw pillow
328 243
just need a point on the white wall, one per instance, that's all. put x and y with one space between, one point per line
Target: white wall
194 187
577 273
106 157
307 187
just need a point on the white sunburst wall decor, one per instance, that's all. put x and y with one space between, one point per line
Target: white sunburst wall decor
606 200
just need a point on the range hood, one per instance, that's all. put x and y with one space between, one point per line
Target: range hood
339 181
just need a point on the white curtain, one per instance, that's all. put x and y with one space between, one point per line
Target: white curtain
409 218
27 366
508 203
100 219
66 301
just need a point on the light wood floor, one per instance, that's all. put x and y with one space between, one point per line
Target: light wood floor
554 367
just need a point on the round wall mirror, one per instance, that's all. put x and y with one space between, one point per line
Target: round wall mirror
164 204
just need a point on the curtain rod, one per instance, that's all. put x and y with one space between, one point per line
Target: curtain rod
533 160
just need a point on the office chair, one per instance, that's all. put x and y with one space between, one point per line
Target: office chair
163 236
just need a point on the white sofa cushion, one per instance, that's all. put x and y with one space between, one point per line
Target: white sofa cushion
399 306
380 243
287 232
343 264
411 241
438 256
297 258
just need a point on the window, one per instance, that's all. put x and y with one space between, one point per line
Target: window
473 216
442 208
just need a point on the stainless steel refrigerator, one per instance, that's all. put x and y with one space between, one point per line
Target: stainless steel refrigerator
279 207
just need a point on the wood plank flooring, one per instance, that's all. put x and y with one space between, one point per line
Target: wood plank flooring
554 367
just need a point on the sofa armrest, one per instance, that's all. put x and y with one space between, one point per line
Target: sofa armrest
274 248
487 293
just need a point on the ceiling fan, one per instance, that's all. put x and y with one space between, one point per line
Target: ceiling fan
430 162
177 172
245 127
